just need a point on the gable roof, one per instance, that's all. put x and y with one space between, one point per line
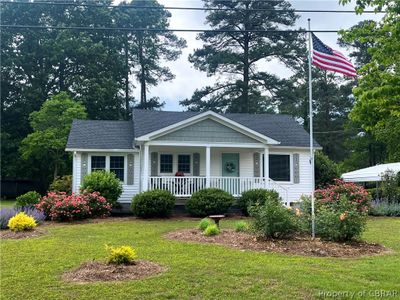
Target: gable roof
282 128
209 115
100 134
114 135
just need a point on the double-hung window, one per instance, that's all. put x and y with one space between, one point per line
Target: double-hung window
184 163
279 167
117 166
166 163
98 163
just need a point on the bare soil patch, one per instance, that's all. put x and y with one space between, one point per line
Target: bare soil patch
17 235
298 245
95 271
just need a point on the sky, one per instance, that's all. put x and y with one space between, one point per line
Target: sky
188 79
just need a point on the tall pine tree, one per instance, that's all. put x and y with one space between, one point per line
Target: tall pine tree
240 57
147 51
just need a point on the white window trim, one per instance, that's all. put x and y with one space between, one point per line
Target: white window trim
159 164
174 163
290 166
107 156
190 163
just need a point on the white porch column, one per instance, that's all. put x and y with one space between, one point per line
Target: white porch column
266 166
146 159
208 166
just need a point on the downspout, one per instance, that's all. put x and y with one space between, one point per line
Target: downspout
140 168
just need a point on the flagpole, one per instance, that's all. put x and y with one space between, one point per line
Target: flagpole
311 131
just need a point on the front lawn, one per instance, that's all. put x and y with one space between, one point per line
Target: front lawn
31 268
7 203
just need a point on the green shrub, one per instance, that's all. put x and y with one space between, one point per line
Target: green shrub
336 221
121 255
204 223
241 226
326 170
211 230
106 183
375 193
256 196
390 187
342 223
28 199
385 209
150 204
62 184
356 195
209 202
273 220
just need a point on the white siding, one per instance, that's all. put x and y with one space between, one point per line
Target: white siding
246 167
76 172
128 190
296 190
131 190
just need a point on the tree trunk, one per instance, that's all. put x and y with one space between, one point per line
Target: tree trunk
55 170
127 108
142 76
62 77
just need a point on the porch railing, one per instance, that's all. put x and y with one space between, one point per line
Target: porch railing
185 186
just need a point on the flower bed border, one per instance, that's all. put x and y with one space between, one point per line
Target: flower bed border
303 246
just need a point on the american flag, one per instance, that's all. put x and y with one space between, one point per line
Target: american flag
326 58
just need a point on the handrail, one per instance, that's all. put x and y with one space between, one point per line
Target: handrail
185 186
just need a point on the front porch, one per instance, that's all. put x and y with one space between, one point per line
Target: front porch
184 170
186 186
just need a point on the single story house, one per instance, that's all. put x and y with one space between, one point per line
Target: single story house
184 152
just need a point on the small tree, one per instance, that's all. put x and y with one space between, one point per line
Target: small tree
326 170
390 186
51 125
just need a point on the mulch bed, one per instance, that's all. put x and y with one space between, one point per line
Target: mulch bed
95 271
8 234
298 245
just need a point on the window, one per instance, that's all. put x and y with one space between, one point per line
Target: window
98 163
117 166
279 167
184 163
166 163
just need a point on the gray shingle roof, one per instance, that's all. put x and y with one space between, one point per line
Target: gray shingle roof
91 134
282 128
99 134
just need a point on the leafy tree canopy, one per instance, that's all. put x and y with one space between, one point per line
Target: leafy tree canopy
377 106
51 125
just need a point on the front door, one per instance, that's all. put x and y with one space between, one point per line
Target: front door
230 164
230 168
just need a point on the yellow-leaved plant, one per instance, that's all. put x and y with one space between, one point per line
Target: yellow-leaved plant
21 222
121 255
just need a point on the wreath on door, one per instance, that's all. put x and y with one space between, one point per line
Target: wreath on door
230 167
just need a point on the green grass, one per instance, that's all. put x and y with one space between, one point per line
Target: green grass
31 268
7 203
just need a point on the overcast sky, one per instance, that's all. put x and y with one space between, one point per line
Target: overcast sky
188 79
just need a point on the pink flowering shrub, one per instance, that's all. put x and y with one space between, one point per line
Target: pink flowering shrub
60 206
99 207
70 207
47 202
340 211
355 194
